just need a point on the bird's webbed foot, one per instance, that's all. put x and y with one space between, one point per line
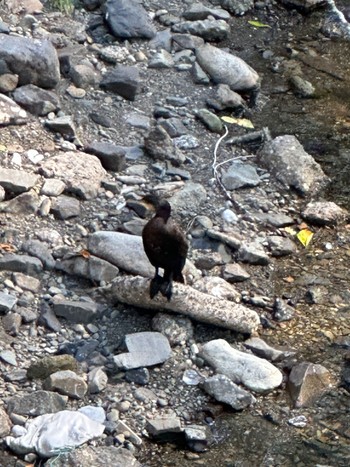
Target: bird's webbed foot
155 285
166 289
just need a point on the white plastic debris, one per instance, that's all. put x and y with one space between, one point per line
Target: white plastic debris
50 434
300 421
192 377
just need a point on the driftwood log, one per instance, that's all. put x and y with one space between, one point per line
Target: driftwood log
134 290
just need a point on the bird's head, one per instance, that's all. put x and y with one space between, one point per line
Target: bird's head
163 210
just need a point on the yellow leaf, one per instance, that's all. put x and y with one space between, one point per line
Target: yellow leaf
85 254
305 236
7 247
238 121
257 24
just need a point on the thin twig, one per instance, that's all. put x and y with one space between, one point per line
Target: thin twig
215 166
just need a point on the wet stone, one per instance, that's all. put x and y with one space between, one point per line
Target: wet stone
210 30
65 207
48 319
138 376
255 373
53 187
36 100
253 253
16 376
11 323
164 428
47 365
40 250
324 213
197 437
98 456
7 302
9 357
240 176
282 311
177 329
145 349
26 282
224 390
260 348
123 80
307 383
66 382
36 403
210 120
76 312
17 181
97 380
207 259
5 424
174 127
161 59
281 246
301 87
62 125
234 272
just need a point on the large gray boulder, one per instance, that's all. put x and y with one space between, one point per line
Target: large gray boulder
128 18
226 68
34 61
82 173
286 158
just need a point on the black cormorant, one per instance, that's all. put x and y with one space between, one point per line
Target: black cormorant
166 247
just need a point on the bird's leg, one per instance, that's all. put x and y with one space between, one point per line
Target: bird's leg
166 287
155 285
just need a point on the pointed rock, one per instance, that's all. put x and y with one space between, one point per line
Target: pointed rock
308 382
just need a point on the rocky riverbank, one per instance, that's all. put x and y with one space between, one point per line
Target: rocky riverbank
248 363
